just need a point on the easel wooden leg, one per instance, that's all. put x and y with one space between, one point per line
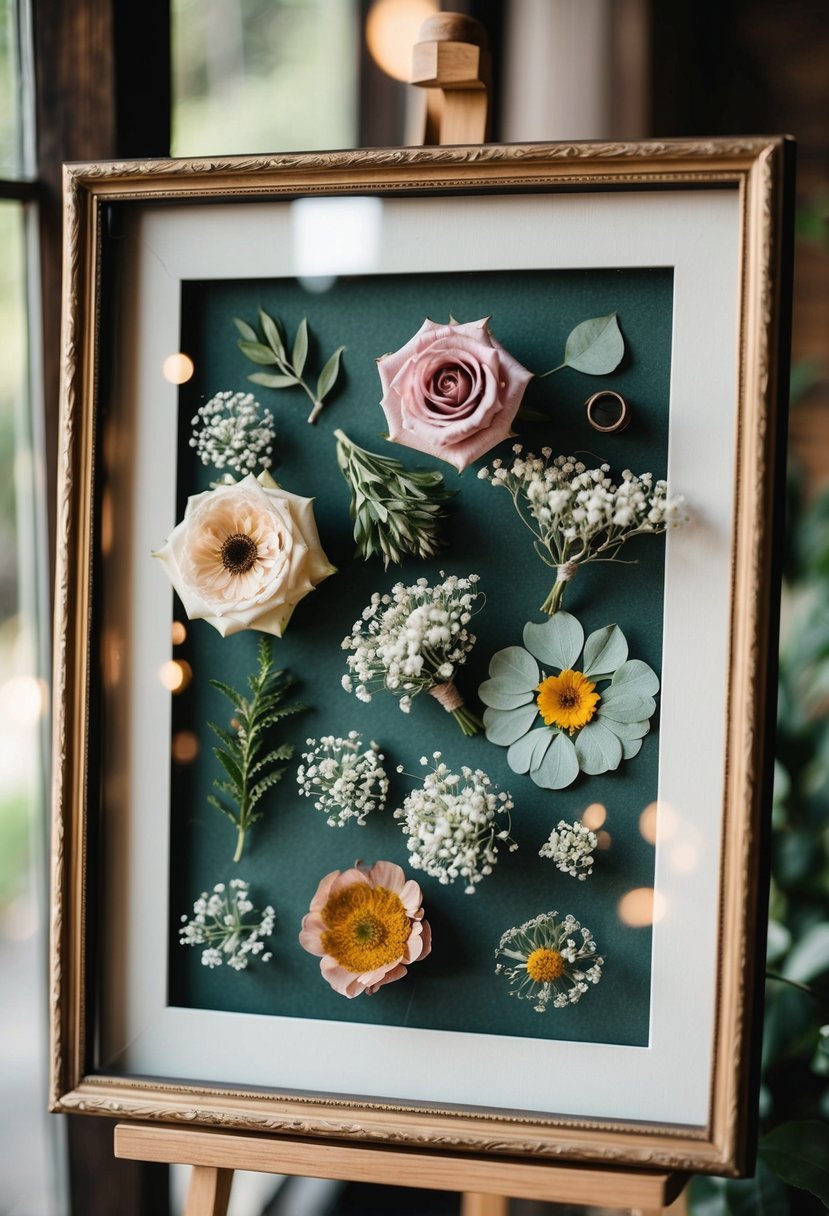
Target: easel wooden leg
208 1192
483 1205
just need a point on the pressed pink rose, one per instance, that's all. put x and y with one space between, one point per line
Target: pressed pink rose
366 927
245 555
452 391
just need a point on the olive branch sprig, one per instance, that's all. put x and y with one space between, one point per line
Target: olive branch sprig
273 352
248 772
395 510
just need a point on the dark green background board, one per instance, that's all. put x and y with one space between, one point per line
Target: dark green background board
292 848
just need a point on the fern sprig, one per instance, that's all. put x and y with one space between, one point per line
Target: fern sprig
250 769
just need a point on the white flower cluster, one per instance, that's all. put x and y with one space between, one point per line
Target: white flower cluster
577 513
347 781
455 824
218 925
571 847
412 639
232 431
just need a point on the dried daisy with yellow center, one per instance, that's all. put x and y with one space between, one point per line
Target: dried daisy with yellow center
549 961
367 928
567 700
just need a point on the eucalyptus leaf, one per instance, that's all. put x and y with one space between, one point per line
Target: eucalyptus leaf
247 331
529 751
267 380
626 730
560 765
273 334
798 1152
300 351
637 677
557 642
256 352
631 748
500 693
328 375
595 347
604 651
515 664
597 748
504 726
626 708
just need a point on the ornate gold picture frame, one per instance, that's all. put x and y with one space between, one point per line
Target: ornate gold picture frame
710 221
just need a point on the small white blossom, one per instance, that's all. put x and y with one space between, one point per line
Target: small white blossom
456 823
571 847
347 781
547 964
218 925
233 431
413 640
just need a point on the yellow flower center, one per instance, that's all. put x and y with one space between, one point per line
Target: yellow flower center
367 927
238 553
545 965
568 700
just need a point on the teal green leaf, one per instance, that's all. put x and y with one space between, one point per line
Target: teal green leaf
230 766
798 1152
557 642
272 381
300 351
762 1195
625 730
626 708
500 694
273 336
598 749
596 346
328 375
636 677
604 651
504 726
631 748
257 353
515 664
560 765
528 752
247 331
810 956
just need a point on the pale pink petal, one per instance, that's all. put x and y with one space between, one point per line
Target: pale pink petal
387 874
411 897
342 981
322 892
419 943
397 974
310 935
371 977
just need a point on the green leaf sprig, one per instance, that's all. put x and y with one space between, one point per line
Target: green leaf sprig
595 347
273 352
395 510
249 769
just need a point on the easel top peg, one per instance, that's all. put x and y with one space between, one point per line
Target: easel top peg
452 52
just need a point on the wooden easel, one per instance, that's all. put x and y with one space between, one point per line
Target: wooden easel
451 63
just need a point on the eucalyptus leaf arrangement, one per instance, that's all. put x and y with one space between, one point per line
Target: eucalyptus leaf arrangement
395 510
271 350
250 768
595 347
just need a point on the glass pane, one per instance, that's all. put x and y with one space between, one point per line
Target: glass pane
24 1131
263 75
9 91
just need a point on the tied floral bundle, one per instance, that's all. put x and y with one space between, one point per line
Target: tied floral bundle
413 640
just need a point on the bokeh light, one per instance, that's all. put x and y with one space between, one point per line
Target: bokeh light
178 368
184 747
392 29
178 632
594 816
175 675
641 907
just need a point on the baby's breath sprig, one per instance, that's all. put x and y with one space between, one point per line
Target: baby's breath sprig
578 515
233 431
395 510
273 352
219 925
456 823
347 781
552 961
248 772
414 640
571 847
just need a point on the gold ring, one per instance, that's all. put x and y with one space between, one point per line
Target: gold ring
603 400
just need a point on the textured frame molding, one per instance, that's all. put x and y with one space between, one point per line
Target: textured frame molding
759 169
